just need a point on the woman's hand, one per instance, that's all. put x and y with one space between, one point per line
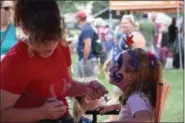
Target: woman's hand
95 90
53 109
105 108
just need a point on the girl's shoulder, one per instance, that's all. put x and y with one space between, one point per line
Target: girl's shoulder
138 95
139 102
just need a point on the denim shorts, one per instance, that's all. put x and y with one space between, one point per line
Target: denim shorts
87 69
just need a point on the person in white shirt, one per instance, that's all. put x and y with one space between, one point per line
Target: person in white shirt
136 72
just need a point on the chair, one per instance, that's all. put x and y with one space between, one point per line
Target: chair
163 90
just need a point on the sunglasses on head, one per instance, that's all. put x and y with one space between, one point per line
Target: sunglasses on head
7 8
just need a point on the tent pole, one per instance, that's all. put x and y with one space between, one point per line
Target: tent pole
179 39
110 18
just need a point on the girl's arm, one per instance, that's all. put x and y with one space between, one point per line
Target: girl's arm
107 108
140 116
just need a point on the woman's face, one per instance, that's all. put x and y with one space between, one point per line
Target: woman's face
126 25
6 11
45 50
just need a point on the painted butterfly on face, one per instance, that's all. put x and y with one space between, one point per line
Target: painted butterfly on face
118 77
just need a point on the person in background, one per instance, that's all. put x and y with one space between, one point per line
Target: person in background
129 29
36 73
146 26
157 38
99 27
176 48
81 104
172 31
8 31
109 38
163 50
106 37
86 65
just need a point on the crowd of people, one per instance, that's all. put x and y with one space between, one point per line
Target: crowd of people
160 38
36 64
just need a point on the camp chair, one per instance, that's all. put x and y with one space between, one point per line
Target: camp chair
163 90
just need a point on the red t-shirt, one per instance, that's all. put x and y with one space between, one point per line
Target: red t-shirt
31 77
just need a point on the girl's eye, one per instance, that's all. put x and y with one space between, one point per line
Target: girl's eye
116 64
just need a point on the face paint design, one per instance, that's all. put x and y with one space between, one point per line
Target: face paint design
133 57
117 77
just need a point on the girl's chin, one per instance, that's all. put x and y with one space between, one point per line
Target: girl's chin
112 82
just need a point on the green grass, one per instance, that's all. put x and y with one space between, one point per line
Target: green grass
174 108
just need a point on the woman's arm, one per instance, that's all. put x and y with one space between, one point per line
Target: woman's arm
92 89
77 89
49 110
9 114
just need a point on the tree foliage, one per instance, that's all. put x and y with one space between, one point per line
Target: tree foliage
69 6
99 6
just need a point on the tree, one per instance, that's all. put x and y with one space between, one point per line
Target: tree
69 6
99 6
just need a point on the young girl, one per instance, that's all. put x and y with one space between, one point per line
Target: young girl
136 72
80 105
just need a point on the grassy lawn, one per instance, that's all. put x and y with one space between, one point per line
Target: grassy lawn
174 107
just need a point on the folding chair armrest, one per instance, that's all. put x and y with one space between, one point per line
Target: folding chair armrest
91 112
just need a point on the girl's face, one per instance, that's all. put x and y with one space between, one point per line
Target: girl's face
6 11
92 104
126 25
117 74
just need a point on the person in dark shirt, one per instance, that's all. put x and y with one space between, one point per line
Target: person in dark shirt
86 58
172 31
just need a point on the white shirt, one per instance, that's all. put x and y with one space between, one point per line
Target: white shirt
2 56
136 102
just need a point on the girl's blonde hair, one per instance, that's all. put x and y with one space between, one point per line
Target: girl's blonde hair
78 111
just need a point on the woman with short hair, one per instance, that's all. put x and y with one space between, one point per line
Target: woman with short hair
35 73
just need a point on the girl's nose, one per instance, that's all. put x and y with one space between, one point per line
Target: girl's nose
111 68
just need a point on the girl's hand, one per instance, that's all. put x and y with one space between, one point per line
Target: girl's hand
53 109
105 108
